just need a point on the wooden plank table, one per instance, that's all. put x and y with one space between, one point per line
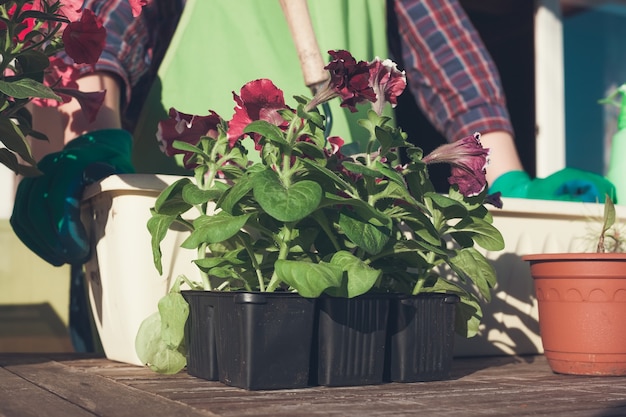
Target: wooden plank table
68 385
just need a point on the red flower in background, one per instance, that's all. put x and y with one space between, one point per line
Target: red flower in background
25 26
186 128
136 6
72 9
84 39
258 100
90 102
62 79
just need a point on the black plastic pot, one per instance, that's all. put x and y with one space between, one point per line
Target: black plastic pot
350 340
200 334
421 337
264 340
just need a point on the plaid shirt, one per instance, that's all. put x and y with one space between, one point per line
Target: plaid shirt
448 68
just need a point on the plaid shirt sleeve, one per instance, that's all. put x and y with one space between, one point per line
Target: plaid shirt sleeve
449 70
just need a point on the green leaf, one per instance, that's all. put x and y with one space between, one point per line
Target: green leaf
8 159
231 197
193 195
214 229
468 317
310 150
372 238
12 137
209 262
269 131
472 265
286 204
390 173
158 225
153 351
33 63
361 169
483 233
609 214
309 279
327 173
389 139
171 201
174 311
27 88
360 276
422 227
451 208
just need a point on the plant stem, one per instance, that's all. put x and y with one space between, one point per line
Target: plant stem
282 254
430 259
329 233
204 183
206 282
255 264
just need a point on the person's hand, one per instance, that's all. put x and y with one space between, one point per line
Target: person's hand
568 184
46 214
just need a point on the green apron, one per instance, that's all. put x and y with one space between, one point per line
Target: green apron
219 45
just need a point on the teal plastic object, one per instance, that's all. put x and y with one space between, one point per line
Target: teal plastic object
568 184
46 213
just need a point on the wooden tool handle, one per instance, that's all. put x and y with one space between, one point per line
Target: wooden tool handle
299 22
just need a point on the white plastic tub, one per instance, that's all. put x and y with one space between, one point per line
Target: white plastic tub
124 286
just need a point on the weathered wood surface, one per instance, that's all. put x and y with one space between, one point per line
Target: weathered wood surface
74 385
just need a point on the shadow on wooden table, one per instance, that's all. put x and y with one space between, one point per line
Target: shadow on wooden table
464 366
616 411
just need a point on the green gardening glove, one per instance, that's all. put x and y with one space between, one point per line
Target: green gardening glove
568 184
46 213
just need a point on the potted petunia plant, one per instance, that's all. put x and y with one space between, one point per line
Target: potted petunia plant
295 216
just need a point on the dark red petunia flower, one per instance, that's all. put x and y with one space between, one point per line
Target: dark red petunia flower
350 79
387 81
258 100
468 159
84 39
186 128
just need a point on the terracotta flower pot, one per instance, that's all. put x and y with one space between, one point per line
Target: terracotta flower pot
582 311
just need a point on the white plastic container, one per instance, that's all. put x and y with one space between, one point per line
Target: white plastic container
123 284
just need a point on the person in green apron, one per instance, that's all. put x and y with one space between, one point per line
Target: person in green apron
218 48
